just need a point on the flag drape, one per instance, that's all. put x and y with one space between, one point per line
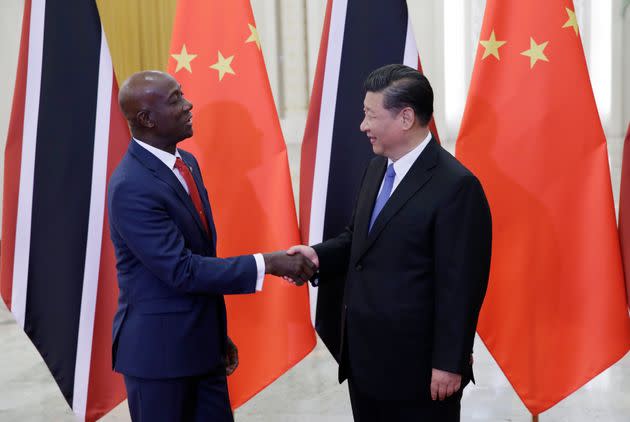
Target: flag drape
216 56
555 313
358 37
66 135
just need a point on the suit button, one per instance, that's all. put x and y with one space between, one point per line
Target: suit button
359 267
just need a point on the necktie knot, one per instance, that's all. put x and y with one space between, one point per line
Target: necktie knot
180 165
390 171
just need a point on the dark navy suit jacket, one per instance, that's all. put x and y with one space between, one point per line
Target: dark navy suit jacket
171 319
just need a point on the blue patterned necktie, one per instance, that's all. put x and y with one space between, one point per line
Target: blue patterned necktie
388 184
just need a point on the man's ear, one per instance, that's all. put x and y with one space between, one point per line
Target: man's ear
408 117
144 119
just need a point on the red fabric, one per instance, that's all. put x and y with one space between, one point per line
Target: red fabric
432 126
311 131
243 158
12 163
555 313
624 212
192 190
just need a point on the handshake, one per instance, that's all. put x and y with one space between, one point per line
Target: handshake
296 265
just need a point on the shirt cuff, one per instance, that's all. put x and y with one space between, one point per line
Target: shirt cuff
260 266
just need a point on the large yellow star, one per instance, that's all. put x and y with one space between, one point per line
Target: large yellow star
572 22
183 59
253 36
535 52
492 46
224 65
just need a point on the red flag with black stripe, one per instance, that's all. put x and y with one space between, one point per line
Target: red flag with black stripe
358 37
66 134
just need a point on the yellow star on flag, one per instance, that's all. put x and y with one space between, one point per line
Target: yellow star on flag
183 59
572 22
492 46
535 52
224 65
253 36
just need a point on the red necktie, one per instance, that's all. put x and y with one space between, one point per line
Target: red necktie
192 190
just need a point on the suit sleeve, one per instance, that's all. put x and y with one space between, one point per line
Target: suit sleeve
153 238
334 254
463 238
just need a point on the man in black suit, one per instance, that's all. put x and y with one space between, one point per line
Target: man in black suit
416 256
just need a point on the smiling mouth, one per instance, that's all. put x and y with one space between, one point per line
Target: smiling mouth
189 120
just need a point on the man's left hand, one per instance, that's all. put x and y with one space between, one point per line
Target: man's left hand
231 357
444 384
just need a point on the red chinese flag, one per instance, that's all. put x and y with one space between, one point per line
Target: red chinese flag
216 56
555 312
624 212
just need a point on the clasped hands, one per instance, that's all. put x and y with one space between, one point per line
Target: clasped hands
297 265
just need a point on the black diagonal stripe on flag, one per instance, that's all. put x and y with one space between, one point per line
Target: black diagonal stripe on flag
374 36
373 33
62 182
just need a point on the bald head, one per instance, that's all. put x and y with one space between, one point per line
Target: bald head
141 90
157 112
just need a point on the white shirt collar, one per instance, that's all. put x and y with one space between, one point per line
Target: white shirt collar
404 163
166 157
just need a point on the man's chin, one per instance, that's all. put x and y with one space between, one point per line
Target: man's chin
187 133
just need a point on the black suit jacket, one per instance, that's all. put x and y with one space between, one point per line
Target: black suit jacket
416 282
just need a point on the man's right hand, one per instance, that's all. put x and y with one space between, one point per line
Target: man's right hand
297 267
307 251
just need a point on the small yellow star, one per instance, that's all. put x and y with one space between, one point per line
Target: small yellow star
572 22
492 46
224 65
253 36
535 52
183 59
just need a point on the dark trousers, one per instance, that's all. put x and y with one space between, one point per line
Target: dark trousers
370 409
188 399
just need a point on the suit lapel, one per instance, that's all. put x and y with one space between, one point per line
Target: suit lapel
165 174
419 174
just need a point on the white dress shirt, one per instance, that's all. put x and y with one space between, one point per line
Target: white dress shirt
404 163
169 161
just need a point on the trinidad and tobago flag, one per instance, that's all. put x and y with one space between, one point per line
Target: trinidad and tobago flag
65 136
359 36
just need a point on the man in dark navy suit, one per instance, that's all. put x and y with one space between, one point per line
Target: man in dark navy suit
416 256
170 335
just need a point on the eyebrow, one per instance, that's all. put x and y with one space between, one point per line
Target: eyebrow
175 91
